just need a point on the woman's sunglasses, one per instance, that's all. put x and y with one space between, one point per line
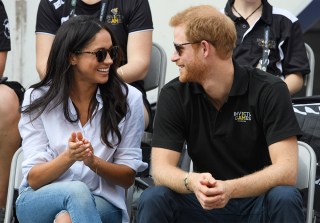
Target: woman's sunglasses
101 54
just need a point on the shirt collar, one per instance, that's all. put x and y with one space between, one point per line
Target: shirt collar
239 85
240 81
73 109
266 12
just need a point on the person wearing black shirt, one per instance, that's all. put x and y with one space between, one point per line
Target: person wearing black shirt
239 127
285 55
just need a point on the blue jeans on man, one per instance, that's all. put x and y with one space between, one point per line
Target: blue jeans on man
281 204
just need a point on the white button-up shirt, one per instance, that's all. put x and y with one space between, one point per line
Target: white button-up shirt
47 136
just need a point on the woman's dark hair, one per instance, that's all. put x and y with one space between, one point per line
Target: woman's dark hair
73 36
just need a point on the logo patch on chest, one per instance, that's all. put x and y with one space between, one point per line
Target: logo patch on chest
271 43
241 116
115 17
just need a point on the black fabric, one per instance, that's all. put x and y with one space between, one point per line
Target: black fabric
308 116
16 86
5 44
306 100
233 141
287 51
307 110
123 16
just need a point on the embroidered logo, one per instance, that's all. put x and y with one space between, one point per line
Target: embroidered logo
271 43
241 116
115 18
6 28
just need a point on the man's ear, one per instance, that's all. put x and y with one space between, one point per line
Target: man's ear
205 48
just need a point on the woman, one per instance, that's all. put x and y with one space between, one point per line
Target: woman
81 128
130 21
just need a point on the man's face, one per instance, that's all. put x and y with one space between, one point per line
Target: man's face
187 57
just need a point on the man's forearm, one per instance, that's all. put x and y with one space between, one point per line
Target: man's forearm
171 177
259 182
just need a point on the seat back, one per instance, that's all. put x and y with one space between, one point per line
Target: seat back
310 77
156 75
14 183
307 175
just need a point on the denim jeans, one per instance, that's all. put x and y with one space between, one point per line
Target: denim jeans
42 205
281 204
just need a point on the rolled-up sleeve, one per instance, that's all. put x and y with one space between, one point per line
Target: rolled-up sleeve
35 141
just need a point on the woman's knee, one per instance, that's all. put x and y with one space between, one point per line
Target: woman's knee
63 217
79 188
74 191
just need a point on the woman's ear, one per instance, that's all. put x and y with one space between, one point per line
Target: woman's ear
73 59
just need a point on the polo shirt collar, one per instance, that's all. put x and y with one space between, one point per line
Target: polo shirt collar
240 80
239 85
266 12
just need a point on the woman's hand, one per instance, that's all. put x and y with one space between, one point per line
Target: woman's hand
78 147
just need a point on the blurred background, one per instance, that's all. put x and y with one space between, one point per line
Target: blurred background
22 18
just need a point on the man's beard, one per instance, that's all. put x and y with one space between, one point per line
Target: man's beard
193 72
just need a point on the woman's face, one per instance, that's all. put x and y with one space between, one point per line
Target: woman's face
93 62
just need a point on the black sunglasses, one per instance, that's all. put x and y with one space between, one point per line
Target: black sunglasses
179 47
101 54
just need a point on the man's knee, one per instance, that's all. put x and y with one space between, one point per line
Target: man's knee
153 195
155 202
285 196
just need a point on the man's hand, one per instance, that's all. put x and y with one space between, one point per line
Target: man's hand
211 193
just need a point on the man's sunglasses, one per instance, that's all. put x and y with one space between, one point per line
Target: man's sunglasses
179 47
101 54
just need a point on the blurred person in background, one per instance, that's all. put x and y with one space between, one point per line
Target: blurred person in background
271 39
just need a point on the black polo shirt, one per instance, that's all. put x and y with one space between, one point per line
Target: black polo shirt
122 16
231 142
287 51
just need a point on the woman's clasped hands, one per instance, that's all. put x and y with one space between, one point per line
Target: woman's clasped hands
79 148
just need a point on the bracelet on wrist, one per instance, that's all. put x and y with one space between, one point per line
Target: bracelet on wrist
186 182
97 165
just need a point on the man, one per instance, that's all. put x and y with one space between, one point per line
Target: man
240 129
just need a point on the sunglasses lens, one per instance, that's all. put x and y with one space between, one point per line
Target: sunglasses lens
178 48
101 55
114 53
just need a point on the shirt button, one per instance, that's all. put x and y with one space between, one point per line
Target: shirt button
244 26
